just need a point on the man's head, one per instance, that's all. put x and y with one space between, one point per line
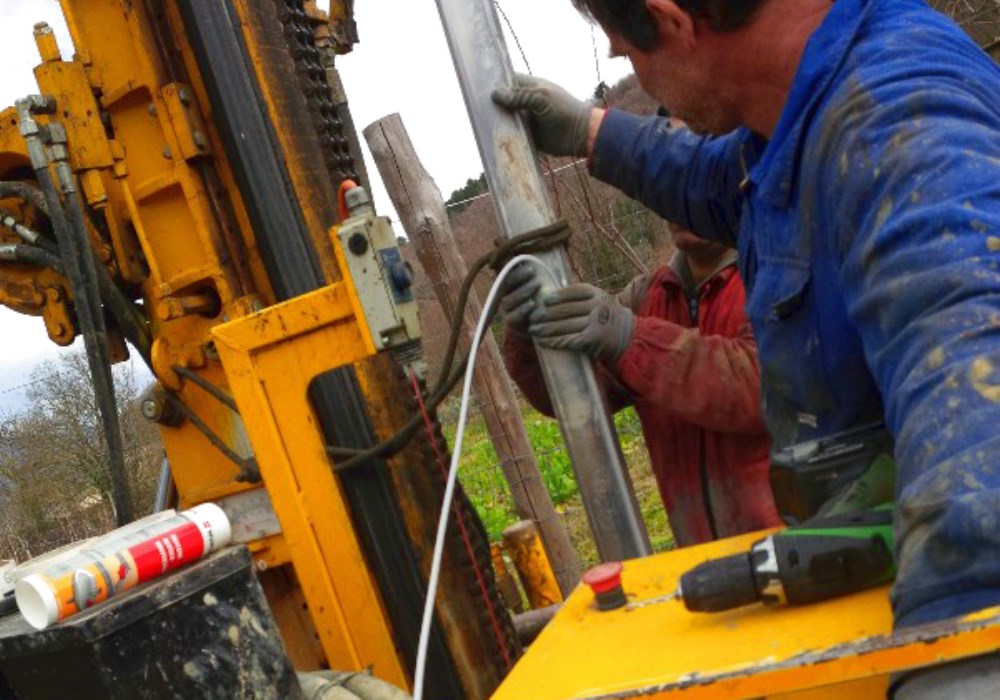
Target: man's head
697 249
678 49
631 19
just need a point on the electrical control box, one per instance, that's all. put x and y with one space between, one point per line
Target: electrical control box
382 279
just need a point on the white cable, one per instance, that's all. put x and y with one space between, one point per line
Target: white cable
449 491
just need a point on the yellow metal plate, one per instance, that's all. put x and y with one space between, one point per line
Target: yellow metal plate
270 358
657 649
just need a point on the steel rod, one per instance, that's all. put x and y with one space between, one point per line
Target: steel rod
483 64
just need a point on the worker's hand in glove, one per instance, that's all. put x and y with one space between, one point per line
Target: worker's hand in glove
559 122
518 301
583 318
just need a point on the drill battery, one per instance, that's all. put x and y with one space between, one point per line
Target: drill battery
806 476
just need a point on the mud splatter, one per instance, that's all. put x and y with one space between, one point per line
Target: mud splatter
936 359
971 482
192 670
210 600
980 374
247 618
234 635
993 243
884 209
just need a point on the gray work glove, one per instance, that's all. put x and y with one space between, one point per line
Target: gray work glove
559 122
583 318
518 297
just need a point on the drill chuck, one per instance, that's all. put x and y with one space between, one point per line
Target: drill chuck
719 584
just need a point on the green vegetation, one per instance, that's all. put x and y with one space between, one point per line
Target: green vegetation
483 480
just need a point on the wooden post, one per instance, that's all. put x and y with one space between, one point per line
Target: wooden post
425 220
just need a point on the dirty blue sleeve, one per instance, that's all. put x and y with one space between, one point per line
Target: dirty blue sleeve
918 163
689 180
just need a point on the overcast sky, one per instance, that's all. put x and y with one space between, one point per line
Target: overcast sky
401 65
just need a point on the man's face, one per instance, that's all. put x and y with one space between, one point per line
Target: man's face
682 80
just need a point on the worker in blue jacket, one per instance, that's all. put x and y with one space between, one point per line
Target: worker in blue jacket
851 151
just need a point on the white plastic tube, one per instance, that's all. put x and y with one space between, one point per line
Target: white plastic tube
449 492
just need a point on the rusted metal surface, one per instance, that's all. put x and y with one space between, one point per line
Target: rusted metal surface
526 550
478 632
509 591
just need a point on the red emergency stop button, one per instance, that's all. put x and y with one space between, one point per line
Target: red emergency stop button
605 580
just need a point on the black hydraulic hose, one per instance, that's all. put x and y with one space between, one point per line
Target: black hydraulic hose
25 233
128 318
106 394
131 322
78 263
29 193
23 252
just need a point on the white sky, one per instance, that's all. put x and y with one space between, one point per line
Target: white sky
401 65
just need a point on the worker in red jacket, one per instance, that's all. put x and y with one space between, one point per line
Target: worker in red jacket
677 345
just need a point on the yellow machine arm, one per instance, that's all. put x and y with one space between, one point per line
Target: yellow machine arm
207 141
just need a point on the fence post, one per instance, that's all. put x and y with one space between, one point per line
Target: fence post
422 212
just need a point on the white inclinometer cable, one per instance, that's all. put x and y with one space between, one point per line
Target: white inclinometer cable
449 491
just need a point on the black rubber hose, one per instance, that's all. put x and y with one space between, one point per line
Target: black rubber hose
28 235
37 256
104 389
78 262
27 192
129 320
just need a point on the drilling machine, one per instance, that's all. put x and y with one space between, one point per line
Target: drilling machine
175 185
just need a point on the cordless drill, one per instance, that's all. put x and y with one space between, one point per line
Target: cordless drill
825 558
839 542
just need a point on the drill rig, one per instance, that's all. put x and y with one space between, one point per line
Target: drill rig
175 185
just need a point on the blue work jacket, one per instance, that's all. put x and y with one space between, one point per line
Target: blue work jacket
869 237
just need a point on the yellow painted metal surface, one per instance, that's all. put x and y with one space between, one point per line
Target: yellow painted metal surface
271 358
524 544
654 648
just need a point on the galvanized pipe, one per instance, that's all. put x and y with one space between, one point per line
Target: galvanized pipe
483 64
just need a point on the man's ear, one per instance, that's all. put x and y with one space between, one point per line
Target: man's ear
674 26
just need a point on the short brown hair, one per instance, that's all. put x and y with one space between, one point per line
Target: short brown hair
632 20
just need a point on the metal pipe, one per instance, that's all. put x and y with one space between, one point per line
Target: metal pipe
522 205
78 263
526 550
531 623
165 489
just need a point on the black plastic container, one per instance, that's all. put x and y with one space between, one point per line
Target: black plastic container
202 632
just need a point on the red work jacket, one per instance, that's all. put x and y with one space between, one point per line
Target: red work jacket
691 371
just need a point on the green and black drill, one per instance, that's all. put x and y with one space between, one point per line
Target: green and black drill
846 546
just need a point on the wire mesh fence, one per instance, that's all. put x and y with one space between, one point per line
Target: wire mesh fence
482 477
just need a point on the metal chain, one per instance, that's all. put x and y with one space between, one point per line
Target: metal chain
329 127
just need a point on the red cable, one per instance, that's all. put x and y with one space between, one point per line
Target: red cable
490 610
